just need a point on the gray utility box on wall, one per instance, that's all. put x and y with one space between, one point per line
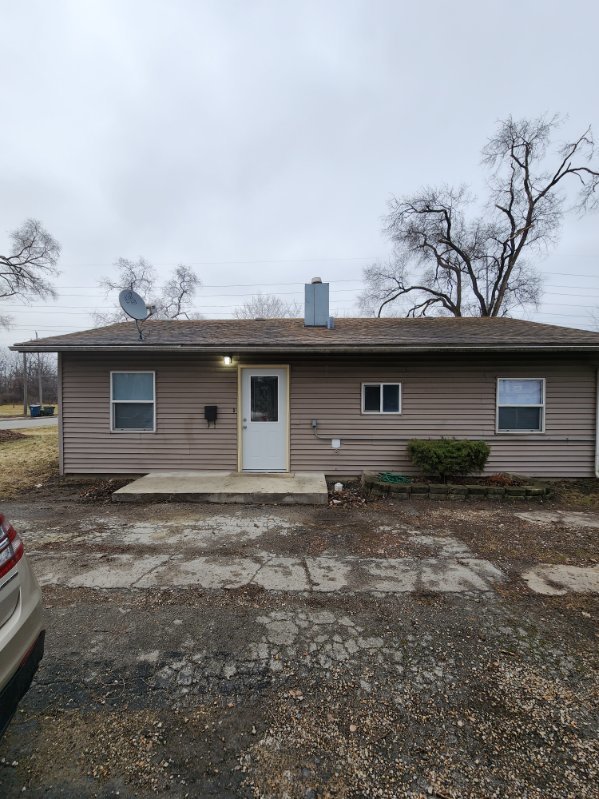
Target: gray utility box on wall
316 307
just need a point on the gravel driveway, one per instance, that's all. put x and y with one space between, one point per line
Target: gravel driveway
384 651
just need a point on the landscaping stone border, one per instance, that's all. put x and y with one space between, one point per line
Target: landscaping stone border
448 491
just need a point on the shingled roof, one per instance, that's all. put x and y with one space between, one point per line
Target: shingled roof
349 335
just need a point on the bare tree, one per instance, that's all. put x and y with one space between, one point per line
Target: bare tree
172 300
452 263
31 263
267 306
177 293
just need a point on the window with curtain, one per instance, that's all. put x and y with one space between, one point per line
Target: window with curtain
132 401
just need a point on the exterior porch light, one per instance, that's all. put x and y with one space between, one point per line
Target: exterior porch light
228 360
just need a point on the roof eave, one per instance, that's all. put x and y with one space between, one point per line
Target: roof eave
342 348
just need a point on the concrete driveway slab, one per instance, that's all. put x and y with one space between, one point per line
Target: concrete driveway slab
300 652
208 572
271 572
557 580
567 518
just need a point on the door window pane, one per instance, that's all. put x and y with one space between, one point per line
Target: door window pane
265 398
133 386
519 418
520 392
133 416
390 399
372 398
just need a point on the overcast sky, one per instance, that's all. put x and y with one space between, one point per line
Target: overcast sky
260 141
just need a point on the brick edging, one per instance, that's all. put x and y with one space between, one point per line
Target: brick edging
441 491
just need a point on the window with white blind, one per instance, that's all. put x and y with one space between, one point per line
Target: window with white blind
520 405
132 402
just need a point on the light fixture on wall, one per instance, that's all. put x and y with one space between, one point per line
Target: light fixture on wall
228 360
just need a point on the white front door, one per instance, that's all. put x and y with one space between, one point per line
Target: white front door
264 429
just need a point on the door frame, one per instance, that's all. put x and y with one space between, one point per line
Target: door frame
240 369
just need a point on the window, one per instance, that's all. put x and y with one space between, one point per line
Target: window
132 401
265 398
381 397
520 405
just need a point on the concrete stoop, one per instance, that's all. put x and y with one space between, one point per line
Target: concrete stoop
297 488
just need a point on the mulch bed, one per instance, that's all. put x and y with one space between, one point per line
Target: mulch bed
10 435
102 490
353 495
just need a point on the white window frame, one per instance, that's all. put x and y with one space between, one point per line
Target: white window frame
542 405
380 384
113 402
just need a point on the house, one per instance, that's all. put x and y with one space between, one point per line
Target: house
314 394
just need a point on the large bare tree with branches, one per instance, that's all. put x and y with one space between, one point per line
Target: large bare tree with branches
267 306
27 270
171 300
448 260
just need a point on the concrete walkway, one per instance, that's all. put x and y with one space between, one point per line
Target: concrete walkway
271 572
297 488
26 423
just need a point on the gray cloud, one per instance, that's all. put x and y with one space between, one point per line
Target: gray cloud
269 131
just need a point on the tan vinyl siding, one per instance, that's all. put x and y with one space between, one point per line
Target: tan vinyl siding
445 395
184 384
441 396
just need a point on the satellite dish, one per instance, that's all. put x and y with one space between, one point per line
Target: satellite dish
133 305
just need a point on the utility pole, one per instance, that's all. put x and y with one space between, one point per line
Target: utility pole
39 374
24 384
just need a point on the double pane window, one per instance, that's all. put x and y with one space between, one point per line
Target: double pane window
520 405
132 401
381 398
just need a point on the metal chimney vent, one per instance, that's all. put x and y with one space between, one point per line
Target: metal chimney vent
316 308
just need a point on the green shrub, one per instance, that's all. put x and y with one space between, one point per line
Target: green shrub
448 457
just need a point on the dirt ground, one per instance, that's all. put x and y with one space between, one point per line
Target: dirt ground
249 691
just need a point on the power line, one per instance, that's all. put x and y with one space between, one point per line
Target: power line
243 262
325 259
234 285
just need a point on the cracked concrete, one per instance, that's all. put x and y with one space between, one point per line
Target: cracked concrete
271 572
371 637
562 517
557 580
203 530
179 547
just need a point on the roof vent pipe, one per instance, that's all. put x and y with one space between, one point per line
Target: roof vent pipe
316 308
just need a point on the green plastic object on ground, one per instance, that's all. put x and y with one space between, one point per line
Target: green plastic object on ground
393 477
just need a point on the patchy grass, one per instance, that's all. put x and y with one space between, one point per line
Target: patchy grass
11 409
28 461
582 494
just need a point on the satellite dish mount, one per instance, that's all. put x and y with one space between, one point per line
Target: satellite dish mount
135 307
